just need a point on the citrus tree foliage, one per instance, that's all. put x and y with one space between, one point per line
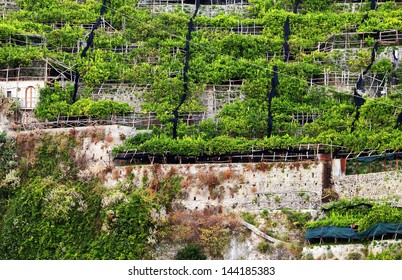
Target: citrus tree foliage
53 102
382 213
154 58
394 252
59 11
345 213
68 36
56 102
13 56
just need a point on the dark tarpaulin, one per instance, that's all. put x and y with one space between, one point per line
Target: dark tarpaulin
296 6
348 233
185 70
286 50
356 118
88 45
381 229
373 55
286 29
390 156
398 120
373 4
274 82
272 93
349 206
269 124
360 84
358 99
395 55
331 232
366 16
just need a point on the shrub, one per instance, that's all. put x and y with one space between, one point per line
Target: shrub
265 247
191 252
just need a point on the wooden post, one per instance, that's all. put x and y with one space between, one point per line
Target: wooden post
46 69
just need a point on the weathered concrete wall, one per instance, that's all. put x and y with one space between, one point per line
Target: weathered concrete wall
373 186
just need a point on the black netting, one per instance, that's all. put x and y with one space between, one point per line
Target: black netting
185 70
88 45
296 6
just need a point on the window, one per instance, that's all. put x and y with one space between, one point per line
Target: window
8 93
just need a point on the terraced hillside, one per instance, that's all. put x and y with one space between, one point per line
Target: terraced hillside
138 51
208 81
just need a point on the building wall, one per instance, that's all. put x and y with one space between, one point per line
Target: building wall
27 92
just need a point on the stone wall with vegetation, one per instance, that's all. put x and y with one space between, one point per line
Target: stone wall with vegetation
382 185
236 187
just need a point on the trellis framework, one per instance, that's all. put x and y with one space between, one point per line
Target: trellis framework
208 8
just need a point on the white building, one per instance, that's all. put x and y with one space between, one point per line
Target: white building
25 91
24 83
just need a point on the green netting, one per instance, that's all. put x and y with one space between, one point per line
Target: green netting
381 229
374 158
348 233
331 232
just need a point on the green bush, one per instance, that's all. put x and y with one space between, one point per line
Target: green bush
265 247
297 219
190 252
249 218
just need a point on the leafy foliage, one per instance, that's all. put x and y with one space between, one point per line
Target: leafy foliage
155 58
297 219
41 222
53 214
190 252
345 213
57 101
8 160
129 229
